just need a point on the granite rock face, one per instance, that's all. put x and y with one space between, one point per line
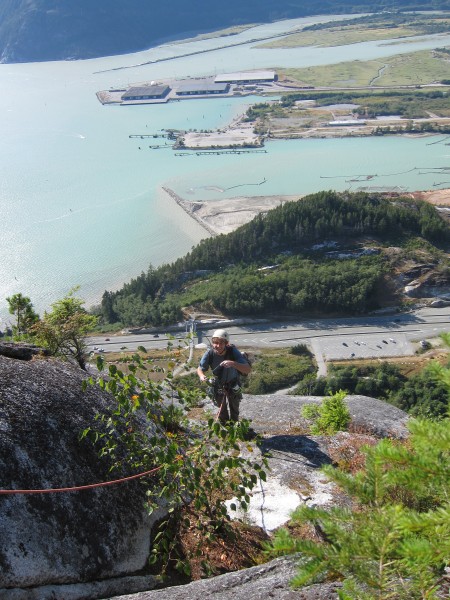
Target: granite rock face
280 414
91 544
70 537
270 580
21 351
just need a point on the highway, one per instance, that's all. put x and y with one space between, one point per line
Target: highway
379 336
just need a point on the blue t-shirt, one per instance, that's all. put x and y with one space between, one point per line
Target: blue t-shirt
224 374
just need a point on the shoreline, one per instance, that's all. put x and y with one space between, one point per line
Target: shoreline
224 216
189 208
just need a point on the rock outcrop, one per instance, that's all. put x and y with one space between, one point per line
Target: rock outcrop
21 351
281 414
270 580
295 456
90 544
60 538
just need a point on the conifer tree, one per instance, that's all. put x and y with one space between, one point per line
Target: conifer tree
394 543
22 308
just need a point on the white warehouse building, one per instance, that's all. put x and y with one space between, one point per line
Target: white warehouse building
250 77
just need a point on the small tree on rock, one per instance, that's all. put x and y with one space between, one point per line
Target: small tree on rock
63 330
21 307
393 543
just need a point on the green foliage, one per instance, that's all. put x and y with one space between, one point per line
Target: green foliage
63 330
22 308
190 389
331 416
407 104
195 467
300 350
379 381
223 272
297 285
420 395
272 371
262 110
395 543
423 396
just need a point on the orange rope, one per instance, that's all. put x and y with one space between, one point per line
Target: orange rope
80 487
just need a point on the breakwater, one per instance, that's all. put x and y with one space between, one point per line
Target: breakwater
189 208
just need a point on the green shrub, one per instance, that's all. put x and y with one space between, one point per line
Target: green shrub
330 416
300 350
274 371
194 467
396 543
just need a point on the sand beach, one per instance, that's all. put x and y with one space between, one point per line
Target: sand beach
224 216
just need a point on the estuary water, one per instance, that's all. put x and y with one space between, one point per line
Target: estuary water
81 202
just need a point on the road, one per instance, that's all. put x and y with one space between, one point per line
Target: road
330 339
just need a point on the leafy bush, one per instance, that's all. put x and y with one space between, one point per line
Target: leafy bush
396 543
272 371
330 416
420 395
300 350
194 469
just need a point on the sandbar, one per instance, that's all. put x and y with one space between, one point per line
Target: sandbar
223 216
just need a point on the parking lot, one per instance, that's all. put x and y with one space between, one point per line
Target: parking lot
367 346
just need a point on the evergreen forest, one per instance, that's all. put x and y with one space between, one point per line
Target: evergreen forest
324 254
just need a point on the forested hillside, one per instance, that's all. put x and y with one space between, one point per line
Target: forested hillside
39 30
277 263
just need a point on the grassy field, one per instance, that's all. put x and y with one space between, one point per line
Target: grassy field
215 34
416 68
339 36
159 362
370 28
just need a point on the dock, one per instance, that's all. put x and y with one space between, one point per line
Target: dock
217 152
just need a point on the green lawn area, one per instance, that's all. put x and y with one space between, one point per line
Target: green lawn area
416 68
339 36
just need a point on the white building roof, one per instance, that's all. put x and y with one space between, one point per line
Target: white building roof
242 76
347 122
210 86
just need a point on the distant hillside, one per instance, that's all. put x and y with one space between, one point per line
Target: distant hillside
41 30
279 263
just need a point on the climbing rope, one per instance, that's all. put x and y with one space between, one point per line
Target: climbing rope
81 487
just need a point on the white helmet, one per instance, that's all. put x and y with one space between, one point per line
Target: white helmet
221 334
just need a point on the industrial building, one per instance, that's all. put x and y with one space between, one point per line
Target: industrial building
254 77
346 123
202 88
146 92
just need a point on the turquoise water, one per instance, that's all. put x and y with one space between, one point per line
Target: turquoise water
81 202
306 166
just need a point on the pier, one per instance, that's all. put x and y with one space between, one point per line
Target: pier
142 136
217 152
